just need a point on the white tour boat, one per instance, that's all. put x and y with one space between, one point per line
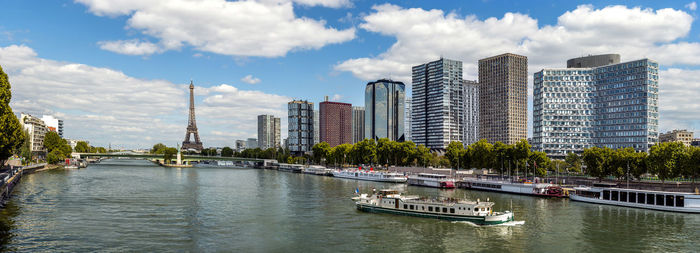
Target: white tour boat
537 189
391 202
318 170
657 200
391 177
431 180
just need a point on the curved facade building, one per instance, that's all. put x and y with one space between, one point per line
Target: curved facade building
384 110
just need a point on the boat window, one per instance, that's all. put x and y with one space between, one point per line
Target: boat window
650 199
659 199
430 208
614 195
405 206
632 197
411 207
469 208
422 208
679 201
669 200
606 195
444 209
623 196
641 198
452 210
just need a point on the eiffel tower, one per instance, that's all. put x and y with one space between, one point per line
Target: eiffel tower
192 127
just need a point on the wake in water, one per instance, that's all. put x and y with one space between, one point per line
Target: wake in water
507 224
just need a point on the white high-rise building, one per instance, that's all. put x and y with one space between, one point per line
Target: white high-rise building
317 128
438 104
268 132
597 101
358 124
471 112
407 119
53 124
37 130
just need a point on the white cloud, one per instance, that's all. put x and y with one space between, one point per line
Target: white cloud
425 35
130 47
249 79
692 6
107 106
679 90
337 97
241 28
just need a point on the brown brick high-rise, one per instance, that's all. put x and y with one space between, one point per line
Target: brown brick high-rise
335 123
503 98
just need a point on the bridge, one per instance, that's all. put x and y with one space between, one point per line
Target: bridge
160 157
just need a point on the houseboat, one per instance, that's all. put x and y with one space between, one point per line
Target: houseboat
317 170
656 200
295 168
536 189
391 202
432 180
390 177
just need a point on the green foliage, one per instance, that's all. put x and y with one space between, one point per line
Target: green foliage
82 147
56 145
596 159
454 153
423 155
11 133
226 152
321 151
665 159
481 154
26 149
501 154
538 162
169 153
573 163
691 165
55 156
209 152
158 148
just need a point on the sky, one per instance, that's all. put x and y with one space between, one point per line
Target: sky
117 71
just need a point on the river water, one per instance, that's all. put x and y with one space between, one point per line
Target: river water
132 205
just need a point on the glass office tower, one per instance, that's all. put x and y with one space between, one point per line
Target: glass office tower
384 110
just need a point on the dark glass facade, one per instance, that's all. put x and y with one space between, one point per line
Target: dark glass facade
384 110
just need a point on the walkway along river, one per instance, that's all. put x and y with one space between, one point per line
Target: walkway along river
132 205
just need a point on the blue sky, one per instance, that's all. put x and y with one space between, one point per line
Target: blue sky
116 71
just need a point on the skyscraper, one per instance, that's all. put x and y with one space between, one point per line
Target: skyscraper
335 122
37 131
503 98
471 112
384 110
408 111
317 128
268 132
358 124
300 137
604 104
438 103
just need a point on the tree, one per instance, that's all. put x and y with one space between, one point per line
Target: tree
101 150
158 148
692 164
521 152
454 153
384 149
538 162
407 152
423 155
82 147
665 159
596 159
481 153
168 154
11 133
365 151
573 162
501 152
53 142
226 152
320 151
340 152
55 156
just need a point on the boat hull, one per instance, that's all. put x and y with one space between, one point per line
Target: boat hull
387 180
508 188
479 220
575 197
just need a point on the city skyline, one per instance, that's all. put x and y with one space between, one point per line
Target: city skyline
129 77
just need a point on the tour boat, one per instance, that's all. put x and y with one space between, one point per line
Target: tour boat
318 170
432 180
391 202
390 177
537 189
656 200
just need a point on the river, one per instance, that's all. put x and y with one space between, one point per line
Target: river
132 205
